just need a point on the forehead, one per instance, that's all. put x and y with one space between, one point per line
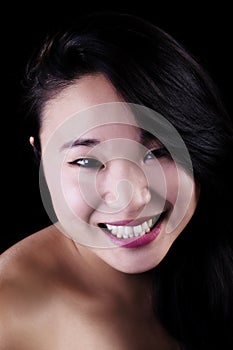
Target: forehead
82 94
89 105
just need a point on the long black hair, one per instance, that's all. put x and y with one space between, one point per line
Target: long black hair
193 285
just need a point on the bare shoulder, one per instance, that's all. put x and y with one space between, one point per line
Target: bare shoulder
33 260
29 253
29 273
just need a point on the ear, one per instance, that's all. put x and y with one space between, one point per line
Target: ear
31 140
36 151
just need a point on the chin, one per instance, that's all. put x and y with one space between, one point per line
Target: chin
134 260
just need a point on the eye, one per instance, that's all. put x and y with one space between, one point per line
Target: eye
156 154
87 163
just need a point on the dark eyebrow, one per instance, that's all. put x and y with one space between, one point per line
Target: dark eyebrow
80 142
147 138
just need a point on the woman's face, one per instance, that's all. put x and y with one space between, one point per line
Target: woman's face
115 190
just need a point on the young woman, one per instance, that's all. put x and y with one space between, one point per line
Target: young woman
135 148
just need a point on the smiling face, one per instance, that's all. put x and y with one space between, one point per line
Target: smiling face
116 190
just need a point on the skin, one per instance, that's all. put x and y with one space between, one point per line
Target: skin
56 291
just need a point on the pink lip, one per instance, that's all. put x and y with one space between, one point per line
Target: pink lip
139 241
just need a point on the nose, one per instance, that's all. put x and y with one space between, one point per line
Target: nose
123 186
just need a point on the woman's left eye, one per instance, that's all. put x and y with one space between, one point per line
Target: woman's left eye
87 163
156 153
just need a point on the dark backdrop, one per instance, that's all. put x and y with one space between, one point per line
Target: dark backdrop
206 32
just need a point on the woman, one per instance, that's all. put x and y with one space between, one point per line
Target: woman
135 148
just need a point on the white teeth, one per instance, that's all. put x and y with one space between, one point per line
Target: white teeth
137 230
132 231
145 226
128 231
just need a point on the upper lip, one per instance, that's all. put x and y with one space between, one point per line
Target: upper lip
131 222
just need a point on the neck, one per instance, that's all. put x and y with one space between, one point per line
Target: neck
113 282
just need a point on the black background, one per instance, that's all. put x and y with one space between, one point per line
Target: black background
205 31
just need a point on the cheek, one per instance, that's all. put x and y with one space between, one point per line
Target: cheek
67 198
74 193
179 184
172 180
164 181
182 196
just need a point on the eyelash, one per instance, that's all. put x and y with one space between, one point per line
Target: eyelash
95 163
159 153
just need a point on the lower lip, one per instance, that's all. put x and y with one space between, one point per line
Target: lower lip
137 241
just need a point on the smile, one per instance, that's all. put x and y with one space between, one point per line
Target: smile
130 231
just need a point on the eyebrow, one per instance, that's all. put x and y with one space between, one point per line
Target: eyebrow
147 138
80 142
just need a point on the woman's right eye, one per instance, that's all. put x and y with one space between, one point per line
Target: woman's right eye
87 163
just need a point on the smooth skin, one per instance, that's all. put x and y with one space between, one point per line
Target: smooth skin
57 293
